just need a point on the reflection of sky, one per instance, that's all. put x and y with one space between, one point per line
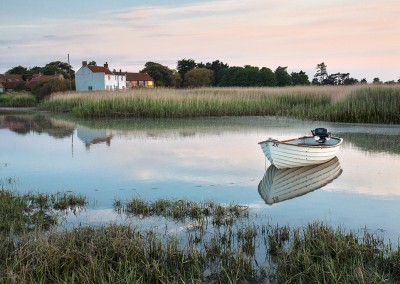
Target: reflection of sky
225 167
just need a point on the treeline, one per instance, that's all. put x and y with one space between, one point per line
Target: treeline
52 68
191 74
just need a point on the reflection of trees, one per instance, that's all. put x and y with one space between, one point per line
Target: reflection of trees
23 124
374 142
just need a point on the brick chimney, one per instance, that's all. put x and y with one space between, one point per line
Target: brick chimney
84 63
106 65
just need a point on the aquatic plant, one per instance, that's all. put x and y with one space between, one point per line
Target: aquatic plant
208 253
32 211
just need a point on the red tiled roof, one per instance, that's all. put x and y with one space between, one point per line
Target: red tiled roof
11 78
99 69
11 81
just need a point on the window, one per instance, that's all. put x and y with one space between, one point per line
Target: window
149 83
90 88
109 77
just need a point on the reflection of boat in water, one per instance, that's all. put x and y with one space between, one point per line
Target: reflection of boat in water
279 185
303 151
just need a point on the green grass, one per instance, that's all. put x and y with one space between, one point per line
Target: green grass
20 213
17 99
362 103
239 251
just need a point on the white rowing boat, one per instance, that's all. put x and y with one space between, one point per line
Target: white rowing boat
303 151
279 185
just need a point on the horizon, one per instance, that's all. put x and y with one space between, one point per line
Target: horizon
360 38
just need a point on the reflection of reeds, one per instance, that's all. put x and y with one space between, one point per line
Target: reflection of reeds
234 252
374 142
379 104
34 211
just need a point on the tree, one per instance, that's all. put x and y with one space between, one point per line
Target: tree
246 76
45 88
18 70
215 66
300 78
282 77
350 81
162 75
199 77
322 73
58 67
185 65
177 79
268 77
376 81
315 81
92 63
363 81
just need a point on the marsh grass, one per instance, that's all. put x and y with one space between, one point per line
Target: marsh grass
239 251
15 99
377 104
21 213
182 210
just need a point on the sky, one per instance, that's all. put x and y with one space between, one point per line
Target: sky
360 37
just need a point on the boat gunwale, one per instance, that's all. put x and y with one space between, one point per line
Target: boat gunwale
286 142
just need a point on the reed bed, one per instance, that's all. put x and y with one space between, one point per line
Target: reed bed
21 213
17 100
182 210
235 252
361 103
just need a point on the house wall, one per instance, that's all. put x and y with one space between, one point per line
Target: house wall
115 82
85 78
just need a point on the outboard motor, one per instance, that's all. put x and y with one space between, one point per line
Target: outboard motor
322 133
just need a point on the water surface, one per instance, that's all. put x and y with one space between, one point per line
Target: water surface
202 159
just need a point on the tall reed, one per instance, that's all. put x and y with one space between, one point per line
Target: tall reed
378 104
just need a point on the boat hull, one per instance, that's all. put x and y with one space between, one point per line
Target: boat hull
300 152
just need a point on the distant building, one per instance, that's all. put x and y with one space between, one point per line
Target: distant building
91 78
11 82
135 80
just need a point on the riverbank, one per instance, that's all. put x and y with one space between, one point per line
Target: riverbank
358 104
217 244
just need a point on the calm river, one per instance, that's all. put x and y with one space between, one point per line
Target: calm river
207 159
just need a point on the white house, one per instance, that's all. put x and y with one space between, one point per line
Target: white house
91 78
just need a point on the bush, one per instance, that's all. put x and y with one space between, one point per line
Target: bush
46 87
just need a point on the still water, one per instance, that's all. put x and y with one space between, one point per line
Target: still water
207 159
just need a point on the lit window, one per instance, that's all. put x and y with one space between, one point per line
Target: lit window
149 83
